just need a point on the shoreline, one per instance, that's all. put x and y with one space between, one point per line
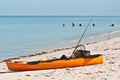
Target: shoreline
69 44
35 54
44 52
65 48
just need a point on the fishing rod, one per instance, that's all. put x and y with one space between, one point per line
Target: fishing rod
81 37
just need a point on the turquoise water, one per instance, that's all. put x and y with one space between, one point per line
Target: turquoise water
21 35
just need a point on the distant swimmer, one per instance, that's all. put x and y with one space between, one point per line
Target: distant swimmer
93 24
73 24
63 25
80 25
112 25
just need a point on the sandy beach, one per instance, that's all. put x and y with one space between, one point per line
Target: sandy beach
109 70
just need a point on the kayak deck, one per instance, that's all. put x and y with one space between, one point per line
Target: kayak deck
57 63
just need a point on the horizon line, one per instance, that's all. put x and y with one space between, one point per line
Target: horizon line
59 15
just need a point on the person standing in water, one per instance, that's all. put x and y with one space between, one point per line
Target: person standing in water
73 24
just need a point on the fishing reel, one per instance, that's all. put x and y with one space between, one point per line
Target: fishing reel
81 52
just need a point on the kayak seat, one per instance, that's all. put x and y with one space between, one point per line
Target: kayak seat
34 62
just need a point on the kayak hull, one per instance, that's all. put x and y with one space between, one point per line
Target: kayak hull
24 66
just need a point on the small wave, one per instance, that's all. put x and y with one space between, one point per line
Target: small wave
90 37
73 41
117 31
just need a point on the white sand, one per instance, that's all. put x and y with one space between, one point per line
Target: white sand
109 70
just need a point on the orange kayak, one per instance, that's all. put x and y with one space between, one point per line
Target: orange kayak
51 64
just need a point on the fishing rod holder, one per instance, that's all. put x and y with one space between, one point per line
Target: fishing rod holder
82 52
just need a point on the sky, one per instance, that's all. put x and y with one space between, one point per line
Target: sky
60 7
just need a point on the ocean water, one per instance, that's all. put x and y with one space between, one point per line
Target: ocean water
23 35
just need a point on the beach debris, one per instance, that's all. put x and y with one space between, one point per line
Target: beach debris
67 68
119 65
9 59
113 57
116 48
22 56
113 70
38 53
89 73
31 55
41 53
44 52
106 49
100 71
27 75
111 62
47 75
36 76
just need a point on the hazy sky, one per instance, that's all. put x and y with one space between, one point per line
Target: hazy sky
59 7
